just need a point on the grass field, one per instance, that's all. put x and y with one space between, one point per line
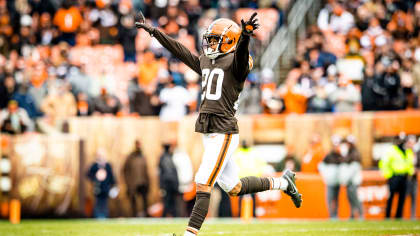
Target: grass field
167 227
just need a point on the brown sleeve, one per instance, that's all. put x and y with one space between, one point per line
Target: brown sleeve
178 50
241 59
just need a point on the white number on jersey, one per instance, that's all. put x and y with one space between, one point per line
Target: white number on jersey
208 81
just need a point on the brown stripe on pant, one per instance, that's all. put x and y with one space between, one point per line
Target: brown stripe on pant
220 159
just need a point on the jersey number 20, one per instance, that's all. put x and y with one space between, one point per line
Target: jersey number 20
208 81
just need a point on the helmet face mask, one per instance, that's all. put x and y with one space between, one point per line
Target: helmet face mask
211 45
220 38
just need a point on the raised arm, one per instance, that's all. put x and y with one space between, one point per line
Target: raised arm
176 48
242 63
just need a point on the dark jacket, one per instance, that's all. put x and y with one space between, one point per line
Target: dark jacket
333 158
101 187
135 171
168 177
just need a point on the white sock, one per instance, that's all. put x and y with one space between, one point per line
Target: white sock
280 184
188 233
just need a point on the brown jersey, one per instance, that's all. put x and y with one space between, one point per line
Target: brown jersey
222 81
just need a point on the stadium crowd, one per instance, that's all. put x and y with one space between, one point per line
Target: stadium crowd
66 58
361 56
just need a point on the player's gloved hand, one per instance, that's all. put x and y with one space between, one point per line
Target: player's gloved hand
141 23
249 26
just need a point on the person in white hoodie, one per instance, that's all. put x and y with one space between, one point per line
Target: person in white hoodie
174 99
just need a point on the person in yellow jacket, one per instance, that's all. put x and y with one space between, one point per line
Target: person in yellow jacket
397 166
249 164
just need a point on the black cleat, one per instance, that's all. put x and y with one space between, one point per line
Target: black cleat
291 190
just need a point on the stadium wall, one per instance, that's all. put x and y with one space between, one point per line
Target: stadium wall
45 169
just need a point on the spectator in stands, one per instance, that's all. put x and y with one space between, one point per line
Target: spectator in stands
314 155
15 120
294 96
142 100
27 37
47 33
368 90
126 36
352 64
137 179
38 90
104 16
174 99
388 84
106 103
68 20
351 174
289 162
331 80
148 70
317 57
319 102
401 24
42 6
397 166
250 99
407 84
60 103
194 88
103 180
329 169
7 89
79 79
84 105
334 17
346 96
26 101
168 181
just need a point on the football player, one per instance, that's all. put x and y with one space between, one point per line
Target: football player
224 66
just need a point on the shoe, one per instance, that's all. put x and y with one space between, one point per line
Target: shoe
291 190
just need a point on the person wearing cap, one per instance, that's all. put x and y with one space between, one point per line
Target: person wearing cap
350 174
329 170
397 166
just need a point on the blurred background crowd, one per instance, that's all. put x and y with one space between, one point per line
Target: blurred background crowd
361 56
66 58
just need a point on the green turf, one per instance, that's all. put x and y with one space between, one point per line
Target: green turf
211 227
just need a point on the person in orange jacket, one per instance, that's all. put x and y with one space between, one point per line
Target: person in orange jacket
313 155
